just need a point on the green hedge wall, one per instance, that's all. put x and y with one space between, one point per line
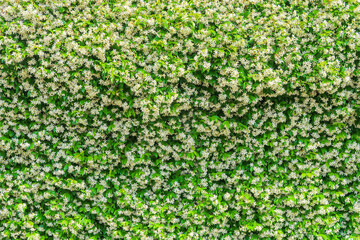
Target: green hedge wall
198 119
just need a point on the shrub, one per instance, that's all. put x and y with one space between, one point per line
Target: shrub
179 119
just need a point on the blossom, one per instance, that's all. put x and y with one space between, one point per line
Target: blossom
184 119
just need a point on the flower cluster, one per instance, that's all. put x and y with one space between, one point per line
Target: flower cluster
201 119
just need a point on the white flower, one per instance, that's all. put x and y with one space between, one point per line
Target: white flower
207 65
356 207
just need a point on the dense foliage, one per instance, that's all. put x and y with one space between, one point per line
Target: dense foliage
179 119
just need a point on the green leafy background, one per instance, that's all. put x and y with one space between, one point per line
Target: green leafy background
179 119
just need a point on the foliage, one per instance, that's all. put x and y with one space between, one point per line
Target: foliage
179 119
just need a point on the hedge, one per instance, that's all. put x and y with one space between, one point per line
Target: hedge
195 119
